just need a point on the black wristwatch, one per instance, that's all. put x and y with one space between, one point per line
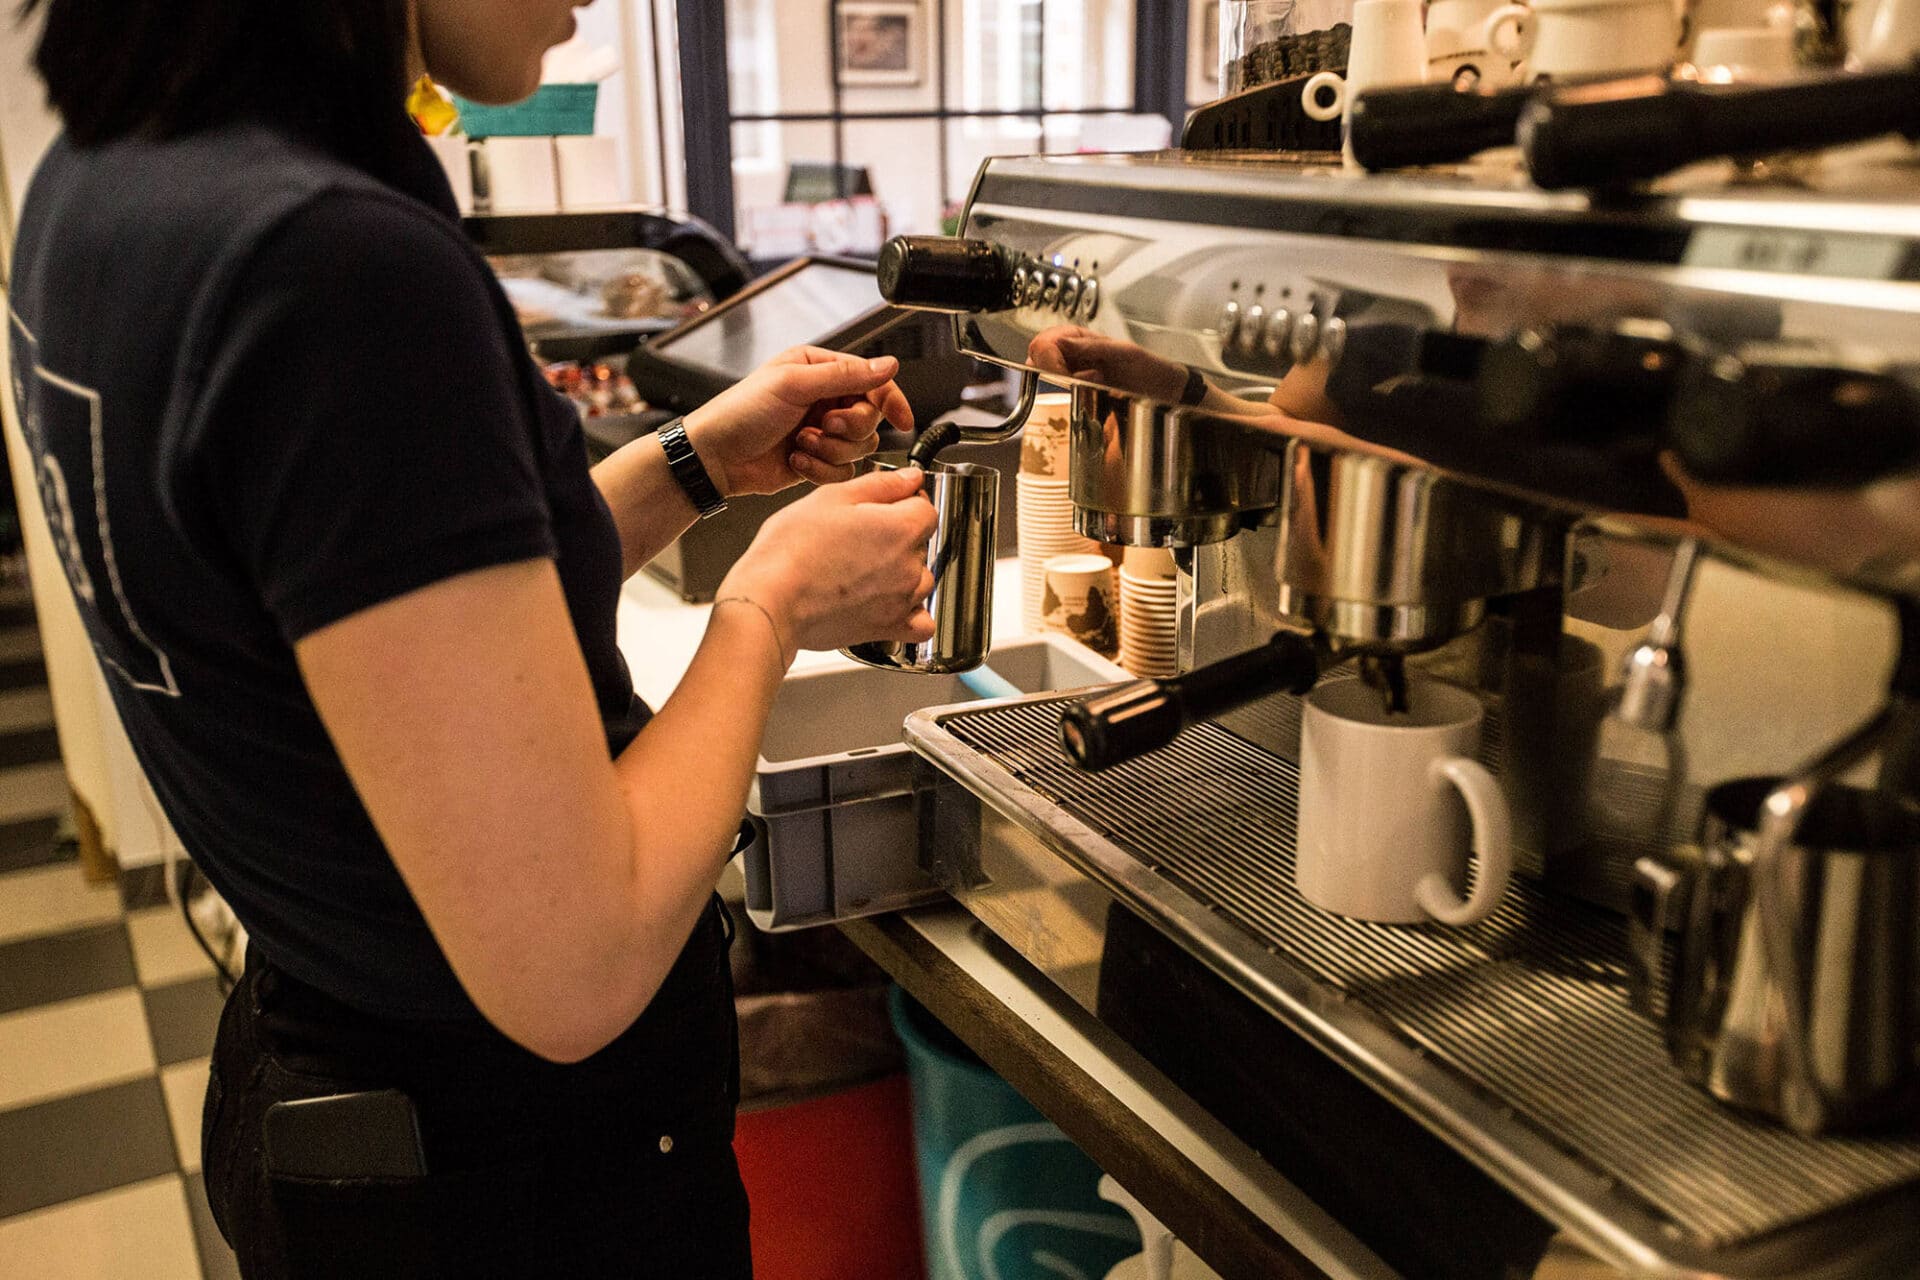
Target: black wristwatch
689 471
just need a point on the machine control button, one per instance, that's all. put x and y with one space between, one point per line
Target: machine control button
1070 294
1229 323
1333 339
1306 337
1279 336
1090 301
1036 281
1020 279
1050 294
1252 328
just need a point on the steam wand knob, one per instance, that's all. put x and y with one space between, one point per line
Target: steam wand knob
1124 723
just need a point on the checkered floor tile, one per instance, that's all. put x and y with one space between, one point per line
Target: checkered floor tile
106 1019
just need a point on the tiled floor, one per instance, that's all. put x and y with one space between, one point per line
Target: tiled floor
106 1019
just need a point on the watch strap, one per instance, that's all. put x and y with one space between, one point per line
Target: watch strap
688 471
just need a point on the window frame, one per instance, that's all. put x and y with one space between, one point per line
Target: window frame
1159 88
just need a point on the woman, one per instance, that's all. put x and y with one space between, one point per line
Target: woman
341 556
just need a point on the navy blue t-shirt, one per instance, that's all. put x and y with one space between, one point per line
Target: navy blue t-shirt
264 390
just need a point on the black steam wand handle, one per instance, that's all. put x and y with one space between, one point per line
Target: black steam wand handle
1602 135
1114 727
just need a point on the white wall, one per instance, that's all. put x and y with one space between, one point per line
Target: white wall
26 126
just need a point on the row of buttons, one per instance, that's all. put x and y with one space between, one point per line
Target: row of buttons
1068 292
1281 333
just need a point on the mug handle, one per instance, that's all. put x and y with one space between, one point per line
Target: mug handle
1492 845
1509 31
1310 96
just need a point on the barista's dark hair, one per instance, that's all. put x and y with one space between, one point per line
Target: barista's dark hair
163 68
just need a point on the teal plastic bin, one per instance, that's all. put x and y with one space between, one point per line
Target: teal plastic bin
1003 1193
555 110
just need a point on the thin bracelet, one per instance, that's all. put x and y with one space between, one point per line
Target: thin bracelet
778 643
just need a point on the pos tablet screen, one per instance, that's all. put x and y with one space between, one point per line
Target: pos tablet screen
812 302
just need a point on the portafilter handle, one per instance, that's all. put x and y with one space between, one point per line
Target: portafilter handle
1124 723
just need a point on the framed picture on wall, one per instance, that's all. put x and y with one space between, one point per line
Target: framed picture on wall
882 42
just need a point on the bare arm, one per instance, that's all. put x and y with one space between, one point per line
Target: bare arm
560 884
807 415
649 507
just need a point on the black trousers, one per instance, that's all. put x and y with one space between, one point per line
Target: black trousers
621 1165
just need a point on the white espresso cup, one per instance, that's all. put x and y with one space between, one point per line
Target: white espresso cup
1389 47
1590 39
1383 835
1481 38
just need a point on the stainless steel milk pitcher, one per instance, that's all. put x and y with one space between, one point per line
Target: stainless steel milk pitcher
961 556
1794 986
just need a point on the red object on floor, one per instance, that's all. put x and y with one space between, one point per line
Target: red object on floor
832 1182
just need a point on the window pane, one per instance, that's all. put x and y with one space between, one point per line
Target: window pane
1000 55
778 59
1089 55
970 142
903 157
792 197
762 154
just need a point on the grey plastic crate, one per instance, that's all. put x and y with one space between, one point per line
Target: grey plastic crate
832 801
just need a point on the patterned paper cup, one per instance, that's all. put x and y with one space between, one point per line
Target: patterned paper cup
1081 601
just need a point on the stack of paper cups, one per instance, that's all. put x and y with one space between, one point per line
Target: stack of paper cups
1046 511
1149 615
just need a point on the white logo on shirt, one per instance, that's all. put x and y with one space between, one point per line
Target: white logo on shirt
51 413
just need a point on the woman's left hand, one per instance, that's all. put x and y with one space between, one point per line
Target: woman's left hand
808 414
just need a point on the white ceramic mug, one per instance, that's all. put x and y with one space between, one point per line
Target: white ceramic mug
1389 47
1381 836
1482 38
1589 39
1891 35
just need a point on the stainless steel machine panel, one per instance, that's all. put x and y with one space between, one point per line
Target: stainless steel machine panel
1513 1040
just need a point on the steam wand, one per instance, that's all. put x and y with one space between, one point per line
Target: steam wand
943 435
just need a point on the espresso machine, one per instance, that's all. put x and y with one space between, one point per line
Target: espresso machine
1639 469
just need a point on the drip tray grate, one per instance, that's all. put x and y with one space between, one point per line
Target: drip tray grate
1529 1007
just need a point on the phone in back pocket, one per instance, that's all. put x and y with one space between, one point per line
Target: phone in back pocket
375 1134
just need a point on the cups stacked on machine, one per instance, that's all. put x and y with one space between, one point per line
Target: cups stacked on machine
1046 511
1149 615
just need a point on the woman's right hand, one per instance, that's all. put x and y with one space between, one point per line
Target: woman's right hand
844 565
